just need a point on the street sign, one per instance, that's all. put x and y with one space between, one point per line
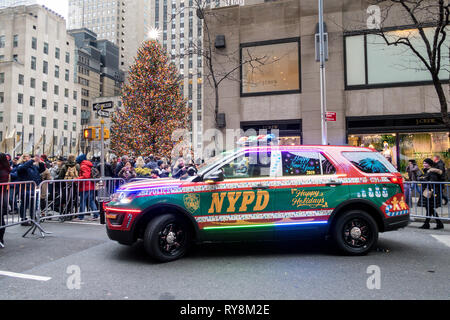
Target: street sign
103 113
103 105
331 116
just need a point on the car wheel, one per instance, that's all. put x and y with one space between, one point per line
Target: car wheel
166 238
355 233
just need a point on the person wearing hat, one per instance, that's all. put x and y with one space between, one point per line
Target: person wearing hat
431 195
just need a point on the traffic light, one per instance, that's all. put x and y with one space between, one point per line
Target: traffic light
105 133
89 134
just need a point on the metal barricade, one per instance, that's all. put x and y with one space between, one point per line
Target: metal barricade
65 199
19 205
428 199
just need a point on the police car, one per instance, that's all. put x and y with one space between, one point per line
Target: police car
346 194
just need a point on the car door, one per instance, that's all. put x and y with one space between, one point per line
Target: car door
240 203
309 191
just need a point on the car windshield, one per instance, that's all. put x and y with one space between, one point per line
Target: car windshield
209 163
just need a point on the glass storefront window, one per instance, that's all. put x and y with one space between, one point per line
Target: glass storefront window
418 146
270 68
389 64
290 141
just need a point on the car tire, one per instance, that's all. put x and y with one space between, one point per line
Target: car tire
355 233
167 238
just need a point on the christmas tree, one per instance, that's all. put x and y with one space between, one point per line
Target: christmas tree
152 106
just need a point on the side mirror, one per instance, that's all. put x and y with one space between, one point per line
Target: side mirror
215 176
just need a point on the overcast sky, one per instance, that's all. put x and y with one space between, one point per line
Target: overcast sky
59 6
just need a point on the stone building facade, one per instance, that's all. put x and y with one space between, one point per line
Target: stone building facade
375 102
39 99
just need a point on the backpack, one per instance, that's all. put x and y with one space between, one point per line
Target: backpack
71 173
95 174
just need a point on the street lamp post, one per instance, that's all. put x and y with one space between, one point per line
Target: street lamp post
323 100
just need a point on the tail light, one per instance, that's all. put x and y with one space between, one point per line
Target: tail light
398 180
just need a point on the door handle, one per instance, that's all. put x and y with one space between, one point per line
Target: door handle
333 183
260 187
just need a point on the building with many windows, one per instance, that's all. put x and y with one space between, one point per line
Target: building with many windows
97 73
124 23
381 94
14 3
39 99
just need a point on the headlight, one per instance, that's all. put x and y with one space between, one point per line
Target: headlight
123 197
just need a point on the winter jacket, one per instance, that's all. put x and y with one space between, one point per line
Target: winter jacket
413 172
85 173
127 174
27 172
151 165
63 171
45 176
178 172
441 166
4 175
433 191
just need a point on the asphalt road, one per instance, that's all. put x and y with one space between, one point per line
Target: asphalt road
413 264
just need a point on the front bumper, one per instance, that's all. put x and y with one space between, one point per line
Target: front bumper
123 237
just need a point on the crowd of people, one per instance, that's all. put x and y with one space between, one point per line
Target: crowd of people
431 195
38 168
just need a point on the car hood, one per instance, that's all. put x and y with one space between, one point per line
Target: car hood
165 183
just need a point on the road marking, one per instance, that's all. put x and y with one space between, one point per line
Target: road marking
23 276
444 239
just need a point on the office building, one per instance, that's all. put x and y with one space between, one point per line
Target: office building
39 99
97 72
375 97
124 23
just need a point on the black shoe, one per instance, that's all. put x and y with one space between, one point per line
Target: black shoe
425 226
25 224
439 226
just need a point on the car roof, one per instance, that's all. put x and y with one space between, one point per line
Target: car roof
330 148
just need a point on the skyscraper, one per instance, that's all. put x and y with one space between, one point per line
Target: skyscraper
13 3
38 94
125 23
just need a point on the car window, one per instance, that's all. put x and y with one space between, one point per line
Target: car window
327 166
301 163
369 162
248 165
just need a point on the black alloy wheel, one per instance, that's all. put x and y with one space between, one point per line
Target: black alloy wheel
167 237
355 232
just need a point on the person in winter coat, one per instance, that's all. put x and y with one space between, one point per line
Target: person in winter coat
438 163
127 172
151 164
413 175
55 170
431 196
65 173
44 195
66 191
26 171
87 188
179 170
5 170
140 163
